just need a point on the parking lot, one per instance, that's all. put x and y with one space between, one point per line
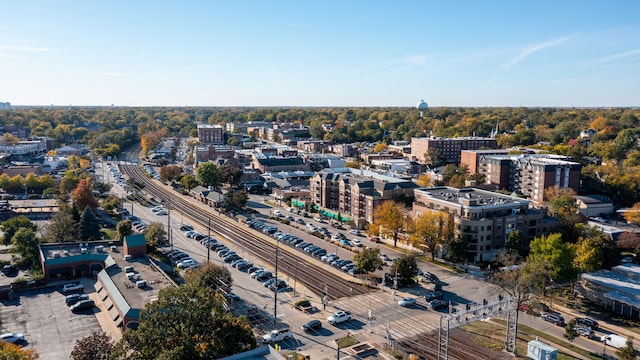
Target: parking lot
46 321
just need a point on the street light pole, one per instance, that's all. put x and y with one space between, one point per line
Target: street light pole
604 346
209 239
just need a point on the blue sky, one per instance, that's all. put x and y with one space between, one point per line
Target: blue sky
320 53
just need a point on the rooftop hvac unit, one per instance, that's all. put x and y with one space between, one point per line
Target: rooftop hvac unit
128 269
84 250
141 283
128 257
114 248
56 254
66 253
130 275
99 248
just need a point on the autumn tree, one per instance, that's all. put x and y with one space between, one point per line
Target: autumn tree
431 230
83 195
352 165
186 322
151 139
9 139
123 228
9 351
97 346
632 215
424 180
170 172
155 234
368 260
208 174
389 217
380 148
554 256
10 226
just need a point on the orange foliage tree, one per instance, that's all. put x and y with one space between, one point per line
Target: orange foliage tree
83 195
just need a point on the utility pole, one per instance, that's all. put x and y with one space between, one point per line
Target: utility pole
275 293
209 237
169 222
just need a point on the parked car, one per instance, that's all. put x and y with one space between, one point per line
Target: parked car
71 287
354 232
74 298
356 242
186 263
433 295
553 318
13 338
588 322
82 305
407 302
585 331
186 228
312 325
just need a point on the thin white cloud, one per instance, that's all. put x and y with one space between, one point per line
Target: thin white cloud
112 74
533 49
24 49
416 60
619 55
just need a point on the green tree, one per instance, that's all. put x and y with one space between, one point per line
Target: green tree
389 217
62 227
187 322
111 202
97 346
368 260
89 226
155 234
188 181
457 249
124 228
11 226
515 241
208 174
406 268
627 352
231 175
25 243
239 198
570 332
210 276
554 255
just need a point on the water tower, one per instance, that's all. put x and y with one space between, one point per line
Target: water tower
422 106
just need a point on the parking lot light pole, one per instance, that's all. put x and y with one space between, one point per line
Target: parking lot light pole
604 346
275 293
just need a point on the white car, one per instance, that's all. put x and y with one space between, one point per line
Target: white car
71 287
407 302
276 336
354 232
339 317
186 263
13 338
356 242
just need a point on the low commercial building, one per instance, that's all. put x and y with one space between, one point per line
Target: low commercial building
617 290
484 218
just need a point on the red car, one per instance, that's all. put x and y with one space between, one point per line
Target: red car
524 307
375 239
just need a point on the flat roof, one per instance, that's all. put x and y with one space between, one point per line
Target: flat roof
70 250
142 270
482 197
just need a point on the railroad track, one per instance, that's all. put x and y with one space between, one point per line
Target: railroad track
295 264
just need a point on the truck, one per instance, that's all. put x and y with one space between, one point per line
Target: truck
614 340
276 336
339 317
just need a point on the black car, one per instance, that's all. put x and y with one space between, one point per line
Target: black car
312 325
75 298
82 305
432 295
186 227
590 323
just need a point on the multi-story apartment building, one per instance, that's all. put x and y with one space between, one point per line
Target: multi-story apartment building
447 149
211 134
531 174
356 193
484 218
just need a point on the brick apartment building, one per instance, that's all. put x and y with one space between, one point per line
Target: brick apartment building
356 193
484 218
448 149
211 134
531 174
